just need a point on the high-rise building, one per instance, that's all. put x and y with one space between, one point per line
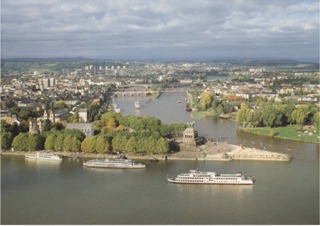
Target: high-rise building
52 82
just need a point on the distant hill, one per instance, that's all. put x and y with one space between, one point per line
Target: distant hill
59 63
58 59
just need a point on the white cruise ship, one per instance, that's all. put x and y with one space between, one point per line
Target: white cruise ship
42 155
114 163
199 177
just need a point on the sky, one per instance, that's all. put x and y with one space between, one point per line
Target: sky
160 29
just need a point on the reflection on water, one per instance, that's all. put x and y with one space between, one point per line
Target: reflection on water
215 188
42 163
111 170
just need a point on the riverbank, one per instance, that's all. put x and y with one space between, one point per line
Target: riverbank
308 134
211 151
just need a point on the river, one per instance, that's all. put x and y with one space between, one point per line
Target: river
41 192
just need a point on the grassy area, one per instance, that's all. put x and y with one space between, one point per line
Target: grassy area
203 114
288 132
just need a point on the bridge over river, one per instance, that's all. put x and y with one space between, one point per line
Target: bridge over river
147 92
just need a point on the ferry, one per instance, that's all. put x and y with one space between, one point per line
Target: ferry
45 156
114 163
137 105
199 177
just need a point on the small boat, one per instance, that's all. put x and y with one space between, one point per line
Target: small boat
137 105
44 156
114 163
199 177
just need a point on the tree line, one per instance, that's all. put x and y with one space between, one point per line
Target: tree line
206 101
273 114
113 133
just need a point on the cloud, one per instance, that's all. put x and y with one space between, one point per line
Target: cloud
159 28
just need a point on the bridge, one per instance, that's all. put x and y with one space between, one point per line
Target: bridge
134 92
131 93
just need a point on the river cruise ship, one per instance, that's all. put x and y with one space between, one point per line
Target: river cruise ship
42 155
199 177
114 163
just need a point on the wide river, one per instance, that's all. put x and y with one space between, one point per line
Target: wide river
44 192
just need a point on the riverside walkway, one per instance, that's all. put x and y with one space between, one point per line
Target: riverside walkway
216 151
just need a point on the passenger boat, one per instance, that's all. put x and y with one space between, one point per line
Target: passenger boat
114 163
42 155
199 177
137 105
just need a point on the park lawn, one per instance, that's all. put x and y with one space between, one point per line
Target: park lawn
287 132
203 114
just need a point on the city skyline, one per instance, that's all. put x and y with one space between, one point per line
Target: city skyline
166 30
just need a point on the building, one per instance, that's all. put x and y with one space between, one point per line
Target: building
9 119
85 128
83 114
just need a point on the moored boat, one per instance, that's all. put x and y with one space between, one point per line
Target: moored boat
137 105
200 177
114 163
44 156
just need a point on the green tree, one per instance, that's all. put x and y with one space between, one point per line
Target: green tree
60 104
102 144
5 127
162 146
89 144
316 120
300 114
256 119
74 132
132 145
150 145
205 100
75 117
75 144
26 113
271 116
20 142
15 129
46 125
227 108
66 145
243 114
119 142
50 141
98 125
6 140
58 145
286 110
35 142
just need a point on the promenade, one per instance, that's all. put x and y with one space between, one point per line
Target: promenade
211 151
215 151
